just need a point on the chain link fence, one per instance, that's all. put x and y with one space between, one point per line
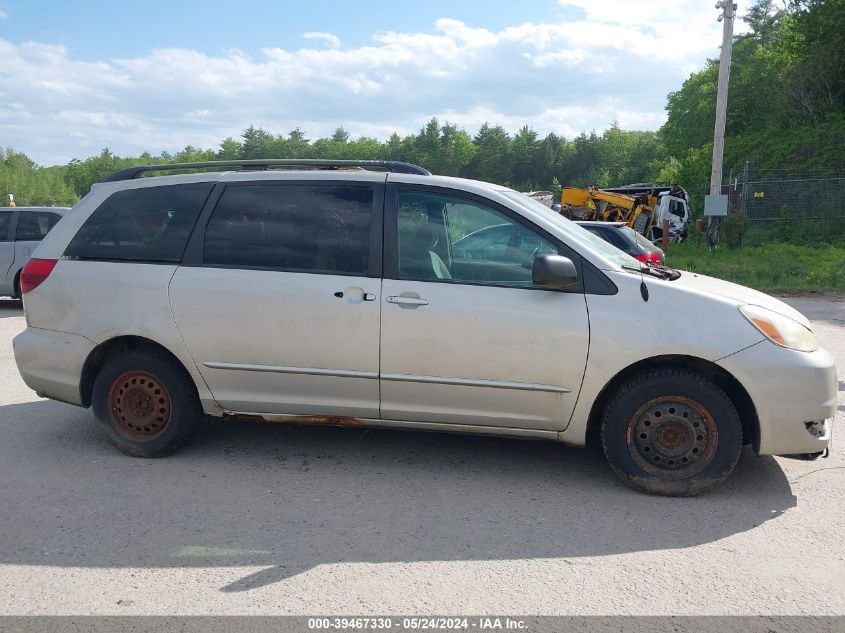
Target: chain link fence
784 205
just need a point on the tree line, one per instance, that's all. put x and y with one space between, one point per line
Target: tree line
786 109
523 160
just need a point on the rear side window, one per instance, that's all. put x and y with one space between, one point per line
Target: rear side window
308 228
32 227
151 224
5 223
614 236
641 240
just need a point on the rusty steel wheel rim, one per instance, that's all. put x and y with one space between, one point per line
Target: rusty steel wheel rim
672 437
140 406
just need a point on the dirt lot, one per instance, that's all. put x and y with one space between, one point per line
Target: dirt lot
260 518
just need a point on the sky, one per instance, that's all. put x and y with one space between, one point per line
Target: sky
76 77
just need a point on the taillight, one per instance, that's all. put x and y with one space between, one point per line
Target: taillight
649 258
35 272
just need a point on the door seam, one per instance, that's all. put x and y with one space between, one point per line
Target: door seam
184 344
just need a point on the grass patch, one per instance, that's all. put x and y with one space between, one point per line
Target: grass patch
770 267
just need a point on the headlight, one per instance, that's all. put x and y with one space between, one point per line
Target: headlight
780 329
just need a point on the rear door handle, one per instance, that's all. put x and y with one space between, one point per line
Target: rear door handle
408 301
355 294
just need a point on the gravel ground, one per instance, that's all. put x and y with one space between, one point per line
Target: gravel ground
270 519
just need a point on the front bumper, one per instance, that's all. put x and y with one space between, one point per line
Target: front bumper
51 362
795 395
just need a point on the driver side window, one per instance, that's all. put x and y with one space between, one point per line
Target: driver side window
449 238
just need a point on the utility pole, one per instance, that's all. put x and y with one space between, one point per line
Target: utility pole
727 19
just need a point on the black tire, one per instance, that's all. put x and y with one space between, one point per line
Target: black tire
146 403
16 288
671 432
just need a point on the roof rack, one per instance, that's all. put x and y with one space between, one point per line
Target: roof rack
393 166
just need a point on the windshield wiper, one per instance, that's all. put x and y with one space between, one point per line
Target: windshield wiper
661 272
671 273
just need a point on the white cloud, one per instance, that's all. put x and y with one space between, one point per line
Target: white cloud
3 15
333 41
654 13
568 121
611 60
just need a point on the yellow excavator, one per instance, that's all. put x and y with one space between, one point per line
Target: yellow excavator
642 207
593 204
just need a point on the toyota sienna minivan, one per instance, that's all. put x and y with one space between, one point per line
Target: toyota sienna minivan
331 292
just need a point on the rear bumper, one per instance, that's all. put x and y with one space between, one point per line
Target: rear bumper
51 362
795 395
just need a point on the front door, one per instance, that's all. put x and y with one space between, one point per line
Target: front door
466 338
282 314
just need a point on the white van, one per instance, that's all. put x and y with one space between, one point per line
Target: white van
21 229
329 292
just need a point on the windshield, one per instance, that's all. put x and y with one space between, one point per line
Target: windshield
572 230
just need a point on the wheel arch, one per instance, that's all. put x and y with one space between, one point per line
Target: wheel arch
722 378
110 348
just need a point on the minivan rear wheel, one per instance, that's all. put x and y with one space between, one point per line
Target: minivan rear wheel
146 403
671 431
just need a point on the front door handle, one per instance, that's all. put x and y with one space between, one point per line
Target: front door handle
408 301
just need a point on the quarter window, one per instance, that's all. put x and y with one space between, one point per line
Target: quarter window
150 224
32 227
457 239
308 228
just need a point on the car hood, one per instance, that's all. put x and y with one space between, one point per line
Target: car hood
741 294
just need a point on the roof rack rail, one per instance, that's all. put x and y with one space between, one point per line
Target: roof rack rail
393 166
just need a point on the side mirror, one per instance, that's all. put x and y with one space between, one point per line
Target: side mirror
554 271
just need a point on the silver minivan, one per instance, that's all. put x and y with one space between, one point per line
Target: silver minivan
21 229
331 292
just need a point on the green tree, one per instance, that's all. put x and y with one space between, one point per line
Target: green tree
230 149
256 143
297 144
786 101
456 150
427 150
490 162
524 158
31 184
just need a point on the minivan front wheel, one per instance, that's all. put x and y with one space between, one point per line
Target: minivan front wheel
672 432
146 403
